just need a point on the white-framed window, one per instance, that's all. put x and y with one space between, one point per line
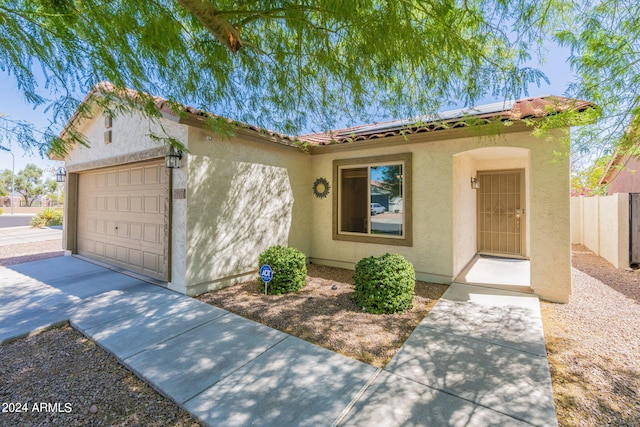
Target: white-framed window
372 203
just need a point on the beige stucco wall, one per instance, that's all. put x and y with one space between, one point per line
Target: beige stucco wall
464 212
549 217
576 220
590 221
129 135
243 195
178 280
601 223
443 240
614 243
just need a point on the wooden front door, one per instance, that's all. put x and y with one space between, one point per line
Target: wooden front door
500 213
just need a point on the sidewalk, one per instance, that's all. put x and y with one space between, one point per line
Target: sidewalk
28 234
477 359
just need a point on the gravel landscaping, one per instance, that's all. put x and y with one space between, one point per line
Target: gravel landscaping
593 344
60 378
27 252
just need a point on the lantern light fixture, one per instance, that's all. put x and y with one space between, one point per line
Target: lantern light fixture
173 158
61 174
475 184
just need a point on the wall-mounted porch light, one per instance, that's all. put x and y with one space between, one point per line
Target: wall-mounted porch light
475 184
173 158
61 174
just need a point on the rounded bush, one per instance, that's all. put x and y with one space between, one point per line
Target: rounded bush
384 284
289 270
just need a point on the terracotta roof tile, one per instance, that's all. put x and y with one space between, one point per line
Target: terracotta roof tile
508 110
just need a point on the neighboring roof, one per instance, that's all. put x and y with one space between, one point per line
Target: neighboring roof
617 164
500 111
507 110
621 156
610 169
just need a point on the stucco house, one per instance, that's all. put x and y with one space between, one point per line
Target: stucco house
202 226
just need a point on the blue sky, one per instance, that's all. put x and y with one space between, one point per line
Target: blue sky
13 105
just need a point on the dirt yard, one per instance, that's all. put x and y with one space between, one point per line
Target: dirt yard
323 313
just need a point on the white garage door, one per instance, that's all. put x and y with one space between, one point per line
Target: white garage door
121 217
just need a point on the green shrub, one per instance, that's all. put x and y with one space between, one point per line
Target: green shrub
47 217
289 270
384 284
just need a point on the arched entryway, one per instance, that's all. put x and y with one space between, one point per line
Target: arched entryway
490 208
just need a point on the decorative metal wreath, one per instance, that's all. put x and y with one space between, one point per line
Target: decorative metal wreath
321 188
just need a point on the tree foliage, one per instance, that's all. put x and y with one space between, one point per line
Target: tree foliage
586 182
604 38
28 183
296 64
284 64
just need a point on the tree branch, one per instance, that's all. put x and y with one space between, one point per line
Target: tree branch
222 29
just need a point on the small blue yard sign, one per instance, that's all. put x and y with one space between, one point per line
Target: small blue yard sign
266 273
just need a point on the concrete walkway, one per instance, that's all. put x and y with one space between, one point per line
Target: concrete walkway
478 359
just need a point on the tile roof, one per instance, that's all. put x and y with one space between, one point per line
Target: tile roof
508 110
171 108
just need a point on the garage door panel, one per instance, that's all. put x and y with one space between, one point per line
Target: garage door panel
111 228
136 176
150 233
135 204
123 204
112 179
150 261
136 231
99 248
122 254
121 217
151 205
135 257
123 178
123 229
110 251
151 175
112 203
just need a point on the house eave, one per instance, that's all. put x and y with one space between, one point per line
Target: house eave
200 122
422 137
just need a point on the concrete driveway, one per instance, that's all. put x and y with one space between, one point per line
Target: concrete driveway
477 359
